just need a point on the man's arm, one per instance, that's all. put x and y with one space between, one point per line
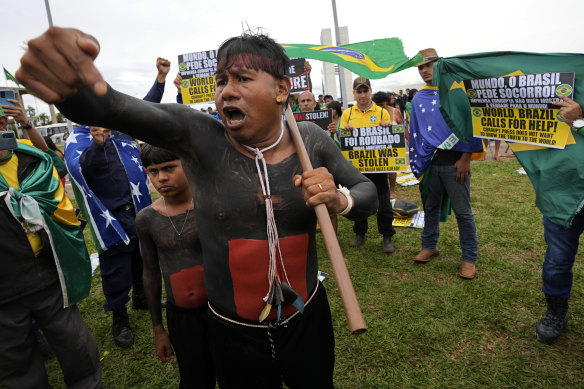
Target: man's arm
463 167
177 83
335 170
58 68
155 93
153 285
308 69
19 116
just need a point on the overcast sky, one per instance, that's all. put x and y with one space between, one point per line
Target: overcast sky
133 33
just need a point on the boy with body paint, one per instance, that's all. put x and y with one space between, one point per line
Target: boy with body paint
170 244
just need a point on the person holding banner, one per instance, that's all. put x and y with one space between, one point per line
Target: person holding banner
444 162
363 114
306 102
383 99
253 204
562 241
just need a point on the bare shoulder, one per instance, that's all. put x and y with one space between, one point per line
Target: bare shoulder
144 217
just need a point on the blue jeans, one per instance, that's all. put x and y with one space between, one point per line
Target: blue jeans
443 178
560 255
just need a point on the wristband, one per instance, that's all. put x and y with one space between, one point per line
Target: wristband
28 125
347 193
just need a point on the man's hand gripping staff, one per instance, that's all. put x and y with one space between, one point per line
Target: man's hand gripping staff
347 292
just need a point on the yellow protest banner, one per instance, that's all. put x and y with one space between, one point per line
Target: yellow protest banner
198 72
198 90
519 108
375 149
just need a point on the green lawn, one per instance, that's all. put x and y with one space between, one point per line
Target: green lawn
426 326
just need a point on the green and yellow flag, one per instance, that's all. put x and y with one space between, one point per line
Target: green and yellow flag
372 59
557 175
9 77
41 203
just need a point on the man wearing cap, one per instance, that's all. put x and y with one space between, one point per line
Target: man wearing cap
365 113
443 162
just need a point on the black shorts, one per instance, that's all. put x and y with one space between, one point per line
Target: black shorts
300 353
188 335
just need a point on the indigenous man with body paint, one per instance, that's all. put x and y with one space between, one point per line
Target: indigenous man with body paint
169 242
269 320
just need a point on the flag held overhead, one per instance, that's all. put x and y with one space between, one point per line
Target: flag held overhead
371 59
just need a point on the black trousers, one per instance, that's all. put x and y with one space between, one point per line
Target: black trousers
121 266
21 362
301 353
384 212
188 335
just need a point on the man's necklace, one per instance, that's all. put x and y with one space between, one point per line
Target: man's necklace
170 220
277 282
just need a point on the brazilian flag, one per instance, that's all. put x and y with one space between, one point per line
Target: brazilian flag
9 77
557 175
371 59
40 202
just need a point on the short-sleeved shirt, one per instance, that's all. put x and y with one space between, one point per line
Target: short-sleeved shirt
373 116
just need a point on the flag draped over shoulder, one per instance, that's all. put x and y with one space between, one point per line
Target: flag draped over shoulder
429 131
9 77
107 230
41 203
557 175
372 59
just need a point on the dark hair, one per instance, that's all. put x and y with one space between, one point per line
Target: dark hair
412 93
328 97
335 106
153 155
380 97
50 143
253 51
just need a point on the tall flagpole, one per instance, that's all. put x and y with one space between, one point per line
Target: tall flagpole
50 18
341 69
49 13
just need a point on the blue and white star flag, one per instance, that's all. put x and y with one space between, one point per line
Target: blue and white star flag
429 131
107 231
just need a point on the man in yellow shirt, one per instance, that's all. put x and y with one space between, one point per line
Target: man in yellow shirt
365 113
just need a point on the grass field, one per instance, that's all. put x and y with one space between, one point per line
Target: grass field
426 326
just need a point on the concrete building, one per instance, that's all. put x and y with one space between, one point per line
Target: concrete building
331 71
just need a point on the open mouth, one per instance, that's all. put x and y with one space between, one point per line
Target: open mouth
233 115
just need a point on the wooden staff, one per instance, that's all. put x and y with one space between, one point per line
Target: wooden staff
350 303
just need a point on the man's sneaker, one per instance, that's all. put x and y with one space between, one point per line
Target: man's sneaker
552 324
357 241
387 245
121 330
425 255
